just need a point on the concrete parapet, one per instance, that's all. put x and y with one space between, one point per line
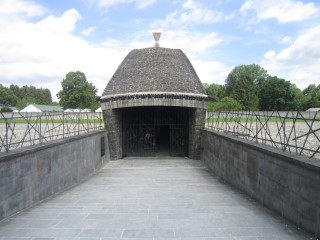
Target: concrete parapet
32 174
283 182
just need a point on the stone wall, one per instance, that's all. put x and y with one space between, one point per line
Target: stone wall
285 183
35 173
113 124
196 125
154 100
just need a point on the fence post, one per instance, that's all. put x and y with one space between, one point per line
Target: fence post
40 135
6 136
256 128
62 124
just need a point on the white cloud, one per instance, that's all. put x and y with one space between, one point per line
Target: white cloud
300 62
210 71
284 11
286 40
41 53
21 7
88 31
64 23
140 4
192 42
192 13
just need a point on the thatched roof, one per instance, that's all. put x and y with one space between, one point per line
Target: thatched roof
154 70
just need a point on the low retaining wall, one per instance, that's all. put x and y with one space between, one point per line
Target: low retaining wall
285 183
32 174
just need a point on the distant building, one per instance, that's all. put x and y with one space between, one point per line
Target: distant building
42 108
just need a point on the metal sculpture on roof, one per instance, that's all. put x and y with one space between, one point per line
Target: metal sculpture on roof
156 36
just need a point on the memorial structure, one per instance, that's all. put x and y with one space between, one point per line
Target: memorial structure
154 104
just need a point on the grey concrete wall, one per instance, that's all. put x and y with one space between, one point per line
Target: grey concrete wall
196 125
32 174
285 183
113 124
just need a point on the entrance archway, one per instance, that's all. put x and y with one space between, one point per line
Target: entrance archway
155 130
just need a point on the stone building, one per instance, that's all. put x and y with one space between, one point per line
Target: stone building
154 104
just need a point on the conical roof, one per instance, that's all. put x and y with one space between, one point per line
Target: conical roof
155 70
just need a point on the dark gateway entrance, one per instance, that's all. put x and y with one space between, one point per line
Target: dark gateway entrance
155 130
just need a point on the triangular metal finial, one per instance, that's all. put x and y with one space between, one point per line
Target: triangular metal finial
156 36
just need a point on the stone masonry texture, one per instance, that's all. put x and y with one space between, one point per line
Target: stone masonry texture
155 70
32 174
287 184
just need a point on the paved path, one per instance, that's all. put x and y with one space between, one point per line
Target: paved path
150 198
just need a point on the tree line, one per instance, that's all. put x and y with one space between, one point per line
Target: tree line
250 87
247 87
76 92
20 97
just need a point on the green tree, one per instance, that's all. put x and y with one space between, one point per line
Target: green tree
77 92
16 90
311 97
242 84
277 95
216 91
7 97
225 104
297 102
5 109
31 94
25 101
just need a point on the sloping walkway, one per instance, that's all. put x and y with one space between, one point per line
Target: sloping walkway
150 198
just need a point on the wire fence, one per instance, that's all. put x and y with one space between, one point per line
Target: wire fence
296 132
18 130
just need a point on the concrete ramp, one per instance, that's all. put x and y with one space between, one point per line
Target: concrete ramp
150 198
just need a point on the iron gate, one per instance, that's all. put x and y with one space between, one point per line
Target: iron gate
139 130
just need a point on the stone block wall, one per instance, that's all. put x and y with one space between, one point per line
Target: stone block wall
196 124
113 124
285 183
35 173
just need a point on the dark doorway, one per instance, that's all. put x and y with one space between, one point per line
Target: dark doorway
163 139
155 130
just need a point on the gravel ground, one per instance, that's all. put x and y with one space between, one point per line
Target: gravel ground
30 135
306 136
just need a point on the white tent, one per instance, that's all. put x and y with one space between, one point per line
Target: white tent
86 110
30 108
98 109
68 110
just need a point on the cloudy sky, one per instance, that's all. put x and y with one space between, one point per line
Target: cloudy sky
42 40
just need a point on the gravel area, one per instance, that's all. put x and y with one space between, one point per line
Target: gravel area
296 136
21 135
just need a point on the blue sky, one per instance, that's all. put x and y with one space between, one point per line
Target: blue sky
42 40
